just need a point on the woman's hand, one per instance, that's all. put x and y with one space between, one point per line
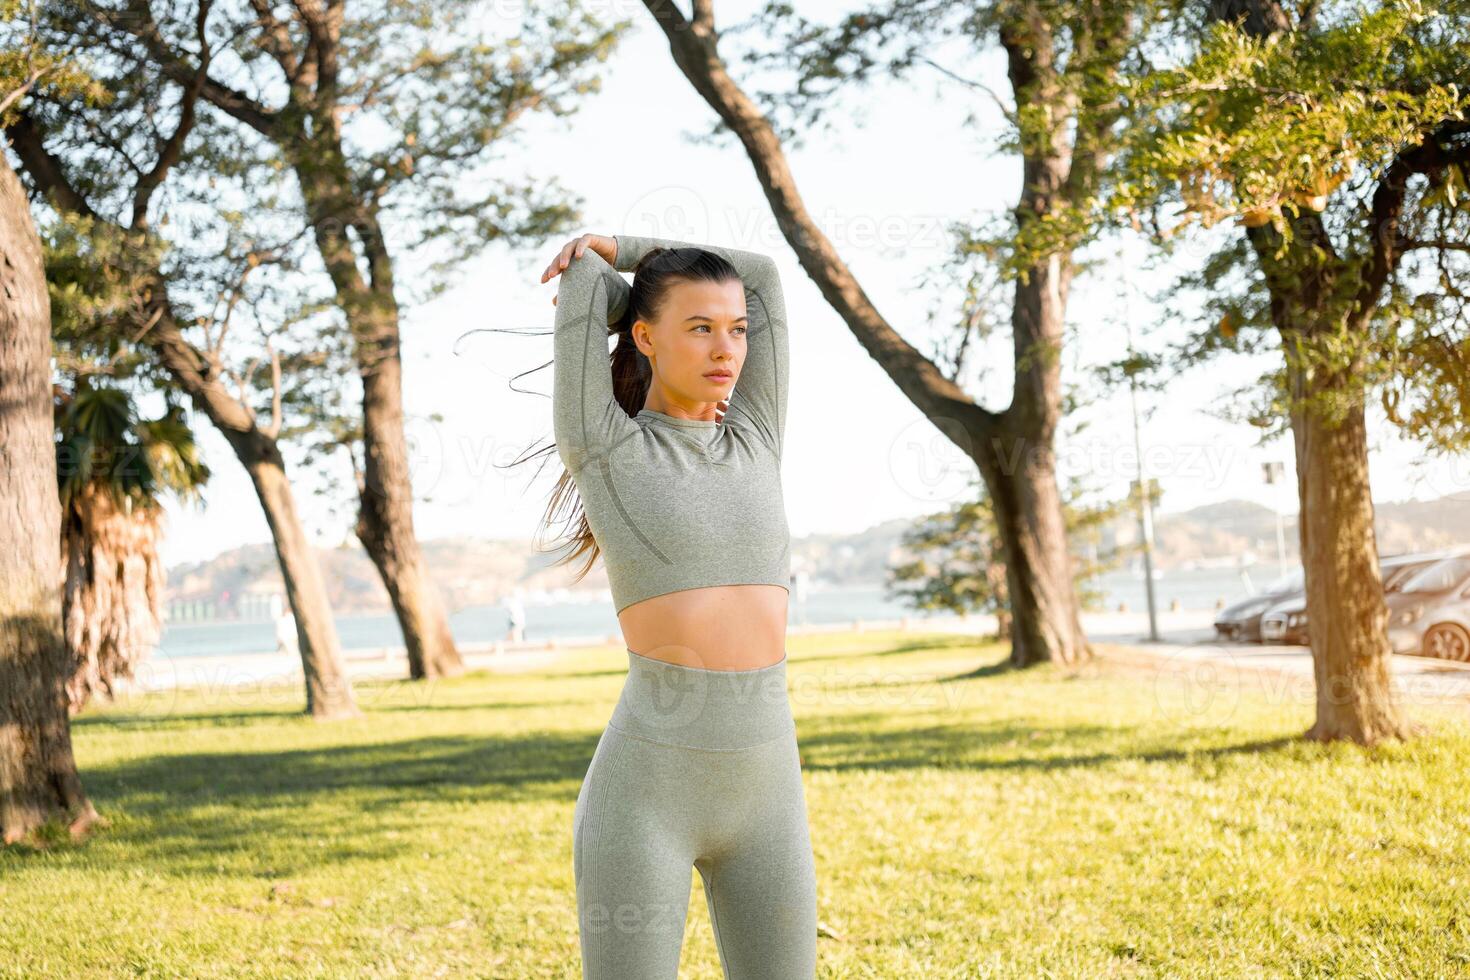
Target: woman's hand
604 245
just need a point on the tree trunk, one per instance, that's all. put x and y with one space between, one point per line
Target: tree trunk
385 528
1013 449
1346 615
385 491
328 690
1017 456
1044 621
112 598
38 772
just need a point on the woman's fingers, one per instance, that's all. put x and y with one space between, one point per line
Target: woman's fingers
572 249
557 264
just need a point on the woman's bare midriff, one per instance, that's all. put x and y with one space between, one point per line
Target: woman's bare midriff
720 627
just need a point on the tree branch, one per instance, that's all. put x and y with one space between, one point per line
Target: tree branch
172 148
1439 244
44 169
139 23
275 39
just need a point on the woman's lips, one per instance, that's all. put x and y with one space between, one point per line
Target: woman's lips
719 376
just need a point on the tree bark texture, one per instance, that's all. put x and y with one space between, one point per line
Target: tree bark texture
38 773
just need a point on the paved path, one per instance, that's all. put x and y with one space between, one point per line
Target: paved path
1189 644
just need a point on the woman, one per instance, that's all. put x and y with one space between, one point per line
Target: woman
698 764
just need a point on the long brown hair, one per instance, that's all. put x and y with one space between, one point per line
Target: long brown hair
632 375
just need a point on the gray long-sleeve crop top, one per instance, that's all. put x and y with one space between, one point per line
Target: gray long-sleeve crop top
673 503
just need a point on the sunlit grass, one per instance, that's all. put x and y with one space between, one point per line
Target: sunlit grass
965 823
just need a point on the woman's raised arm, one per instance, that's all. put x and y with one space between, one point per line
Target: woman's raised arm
586 418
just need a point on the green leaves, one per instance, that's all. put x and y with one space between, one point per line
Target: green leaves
1264 129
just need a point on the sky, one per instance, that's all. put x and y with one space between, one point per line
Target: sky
898 165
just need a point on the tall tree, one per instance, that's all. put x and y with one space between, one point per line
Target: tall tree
99 159
1064 63
39 782
38 771
382 112
1336 136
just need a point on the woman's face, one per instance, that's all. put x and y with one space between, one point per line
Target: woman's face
700 332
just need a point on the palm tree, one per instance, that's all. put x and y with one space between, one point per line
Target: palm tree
112 470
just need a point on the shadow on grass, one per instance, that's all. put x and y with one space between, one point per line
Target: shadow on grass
464 766
871 741
190 814
194 814
187 811
124 720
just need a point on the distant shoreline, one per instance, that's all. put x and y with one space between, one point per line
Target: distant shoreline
277 670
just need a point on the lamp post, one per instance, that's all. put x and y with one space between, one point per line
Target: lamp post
1145 498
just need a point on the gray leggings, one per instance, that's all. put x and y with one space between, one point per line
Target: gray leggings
696 768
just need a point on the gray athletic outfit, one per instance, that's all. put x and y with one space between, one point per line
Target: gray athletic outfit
674 503
696 767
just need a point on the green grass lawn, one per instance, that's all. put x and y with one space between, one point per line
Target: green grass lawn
1106 823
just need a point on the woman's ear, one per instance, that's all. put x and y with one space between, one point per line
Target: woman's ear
642 335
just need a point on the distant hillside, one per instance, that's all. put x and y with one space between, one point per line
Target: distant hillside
478 571
1218 534
469 571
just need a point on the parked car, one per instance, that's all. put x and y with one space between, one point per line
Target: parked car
1286 622
1430 613
1242 620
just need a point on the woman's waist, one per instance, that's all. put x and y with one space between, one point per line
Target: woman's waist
722 627
693 707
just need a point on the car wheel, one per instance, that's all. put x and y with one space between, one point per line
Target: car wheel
1447 642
